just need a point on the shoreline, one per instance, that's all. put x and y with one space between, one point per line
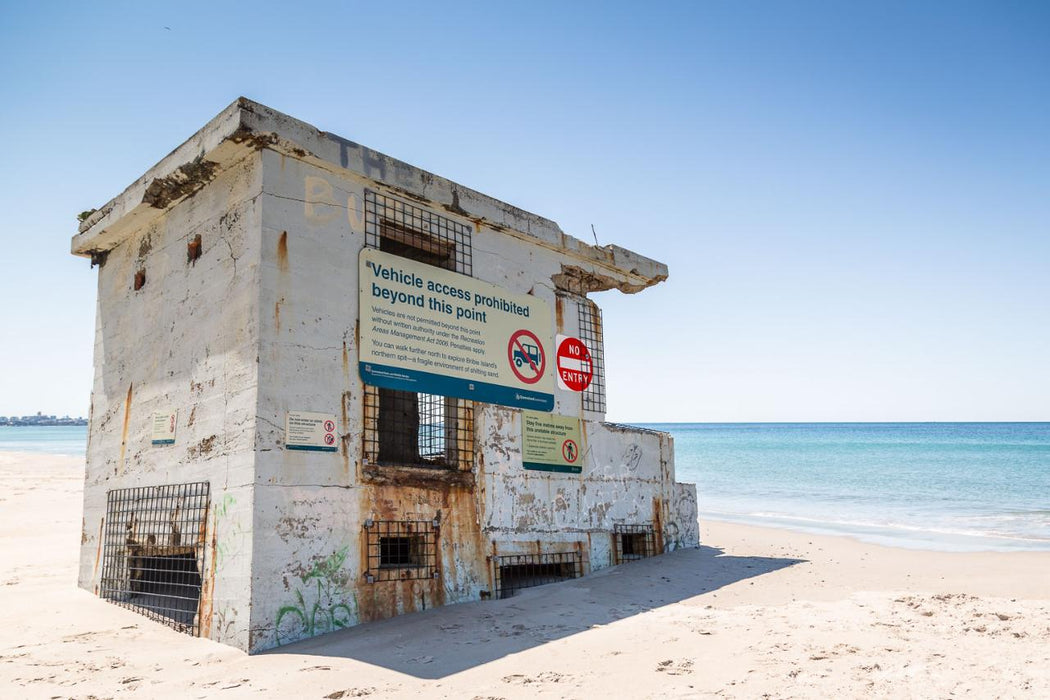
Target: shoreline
905 537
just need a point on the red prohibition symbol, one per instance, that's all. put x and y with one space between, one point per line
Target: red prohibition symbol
575 367
329 426
570 451
329 439
526 356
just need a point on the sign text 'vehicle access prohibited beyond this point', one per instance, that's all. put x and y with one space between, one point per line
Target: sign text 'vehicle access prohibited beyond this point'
433 331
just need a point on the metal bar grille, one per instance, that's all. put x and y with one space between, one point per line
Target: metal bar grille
517 571
591 335
634 542
403 428
400 228
397 550
153 552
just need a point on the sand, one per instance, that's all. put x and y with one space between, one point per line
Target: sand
754 612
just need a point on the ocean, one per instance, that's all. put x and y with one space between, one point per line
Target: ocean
68 440
945 486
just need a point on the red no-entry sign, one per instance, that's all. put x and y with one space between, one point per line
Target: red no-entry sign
575 366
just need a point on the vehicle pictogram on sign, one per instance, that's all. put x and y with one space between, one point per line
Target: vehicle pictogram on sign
526 356
575 366
570 451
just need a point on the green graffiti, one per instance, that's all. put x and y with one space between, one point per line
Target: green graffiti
324 612
222 549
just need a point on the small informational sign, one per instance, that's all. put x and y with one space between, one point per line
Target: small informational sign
164 423
310 431
433 331
575 366
551 443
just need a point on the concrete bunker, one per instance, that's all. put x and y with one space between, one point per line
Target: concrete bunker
350 389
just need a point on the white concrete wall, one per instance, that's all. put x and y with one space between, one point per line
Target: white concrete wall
310 506
187 340
265 323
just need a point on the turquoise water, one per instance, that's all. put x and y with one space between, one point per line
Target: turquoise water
952 486
68 440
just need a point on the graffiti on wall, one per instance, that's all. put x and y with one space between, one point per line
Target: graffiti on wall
318 607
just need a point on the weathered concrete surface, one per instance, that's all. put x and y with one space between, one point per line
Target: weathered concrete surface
266 322
170 345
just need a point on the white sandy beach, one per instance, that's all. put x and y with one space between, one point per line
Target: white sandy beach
754 612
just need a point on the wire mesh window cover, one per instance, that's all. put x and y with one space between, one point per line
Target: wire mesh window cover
398 550
403 428
634 542
591 335
517 571
400 228
153 551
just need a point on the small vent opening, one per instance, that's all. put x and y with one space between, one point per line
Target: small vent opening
397 550
633 542
517 571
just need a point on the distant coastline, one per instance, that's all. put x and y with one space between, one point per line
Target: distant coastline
40 420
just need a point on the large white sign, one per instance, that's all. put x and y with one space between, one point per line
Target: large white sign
433 331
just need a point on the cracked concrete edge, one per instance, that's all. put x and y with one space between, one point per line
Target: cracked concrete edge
246 126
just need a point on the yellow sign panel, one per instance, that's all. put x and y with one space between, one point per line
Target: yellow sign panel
433 331
551 443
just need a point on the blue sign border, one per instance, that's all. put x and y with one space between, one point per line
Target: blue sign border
389 377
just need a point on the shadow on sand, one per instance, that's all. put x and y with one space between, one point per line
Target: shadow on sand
443 641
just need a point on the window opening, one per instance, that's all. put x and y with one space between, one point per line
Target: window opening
591 335
404 427
517 571
397 550
153 552
634 542
400 228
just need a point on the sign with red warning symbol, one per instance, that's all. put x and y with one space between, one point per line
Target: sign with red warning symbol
551 443
575 365
310 431
526 356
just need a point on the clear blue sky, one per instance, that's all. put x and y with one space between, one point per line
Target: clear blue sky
853 198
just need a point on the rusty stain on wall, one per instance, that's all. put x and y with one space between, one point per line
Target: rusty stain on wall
282 252
124 431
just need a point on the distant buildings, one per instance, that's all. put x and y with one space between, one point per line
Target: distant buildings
41 420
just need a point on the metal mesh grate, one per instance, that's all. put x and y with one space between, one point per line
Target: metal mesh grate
517 571
399 228
401 427
397 550
153 551
634 542
409 429
591 335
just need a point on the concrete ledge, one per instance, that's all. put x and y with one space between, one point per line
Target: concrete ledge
246 126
